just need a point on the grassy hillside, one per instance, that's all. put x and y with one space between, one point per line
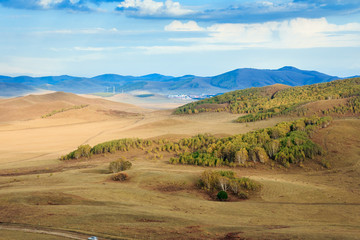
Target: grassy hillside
162 201
265 102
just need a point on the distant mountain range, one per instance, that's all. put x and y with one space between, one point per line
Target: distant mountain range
157 83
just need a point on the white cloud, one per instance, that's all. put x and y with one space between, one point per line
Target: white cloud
49 3
153 8
290 34
175 9
177 26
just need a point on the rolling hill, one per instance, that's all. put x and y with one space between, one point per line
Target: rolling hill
60 104
337 97
188 84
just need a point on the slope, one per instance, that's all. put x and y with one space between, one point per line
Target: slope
266 102
49 105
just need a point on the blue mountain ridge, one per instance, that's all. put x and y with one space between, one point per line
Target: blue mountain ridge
188 84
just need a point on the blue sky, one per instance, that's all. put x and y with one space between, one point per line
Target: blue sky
177 37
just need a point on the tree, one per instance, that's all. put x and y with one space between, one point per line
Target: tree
258 154
209 180
223 183
242 156
272 147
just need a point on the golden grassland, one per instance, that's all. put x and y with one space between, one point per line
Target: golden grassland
77 199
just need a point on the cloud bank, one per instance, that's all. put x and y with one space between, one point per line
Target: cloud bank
78 5
240 12
288 34
233 12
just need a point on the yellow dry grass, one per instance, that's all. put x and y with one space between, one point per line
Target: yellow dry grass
161 201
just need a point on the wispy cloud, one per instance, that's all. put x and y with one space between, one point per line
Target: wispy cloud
240 12
194 47
46 4
80 31
150 8
288 34
261 11
78 5
177 26
97 49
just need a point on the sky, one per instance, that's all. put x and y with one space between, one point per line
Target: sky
177 37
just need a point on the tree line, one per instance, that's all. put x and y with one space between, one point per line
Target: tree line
286 143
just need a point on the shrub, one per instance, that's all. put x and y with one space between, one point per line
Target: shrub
228 174
325 163
222 195
119 165
248 184
243 195
122 176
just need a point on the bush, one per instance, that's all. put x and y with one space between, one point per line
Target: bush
222 195
122 176
119 165
243 195
81 151
325 163
228 174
